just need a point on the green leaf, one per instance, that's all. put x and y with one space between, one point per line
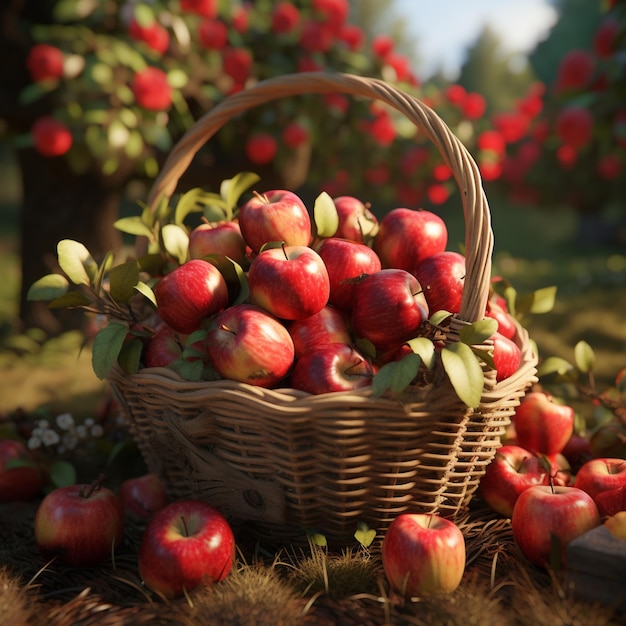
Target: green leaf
130 356
107 345
16 463
48 287
540 301
554 365
70 300
146 291
584 357
478 332
175 241
189 370
134 226
233 274
426 349
76 261
464 372
105 266
144 15
438 317
325 215
232 189
510 297
317 539
364 534
62 474
396 375
196 200
122 280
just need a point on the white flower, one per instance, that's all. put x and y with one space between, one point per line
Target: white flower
65 421
81 431
34 443
50 437
43 424
89 422
97 430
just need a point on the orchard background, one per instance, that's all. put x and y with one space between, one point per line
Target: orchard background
96 93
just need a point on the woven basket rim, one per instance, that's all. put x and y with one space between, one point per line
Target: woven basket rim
477 216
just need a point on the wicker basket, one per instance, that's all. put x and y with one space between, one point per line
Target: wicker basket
281 461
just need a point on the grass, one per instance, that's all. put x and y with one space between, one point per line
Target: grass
534 248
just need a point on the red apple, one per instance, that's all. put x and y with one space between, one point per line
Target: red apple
423 555
542 425
185 544
20 477
276 215
80 525
506 323
512 470
356 221
442 276
388 308
346 262
190 293
332 367
326 326
291 282
546 516
222 238
164 347
247 344
611 501
142 496
405 237
507 356
601 474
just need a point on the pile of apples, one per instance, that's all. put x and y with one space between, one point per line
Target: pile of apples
540 480
322 310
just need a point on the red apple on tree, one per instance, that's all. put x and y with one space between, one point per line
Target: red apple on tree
185 544
249 345
356 221
442 277
601 474
332 367
512 470
541 424
20 476
79 525
142 496
423 555
222 238
276 215
546 518
291 282
326 326
507 356
190 293
346 262
406 236
388 308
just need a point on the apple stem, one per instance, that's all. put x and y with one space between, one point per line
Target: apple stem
228 330
184 522
93 488
261 197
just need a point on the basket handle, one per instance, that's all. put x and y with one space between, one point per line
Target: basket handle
478 232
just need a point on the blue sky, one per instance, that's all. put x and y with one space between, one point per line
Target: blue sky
445 28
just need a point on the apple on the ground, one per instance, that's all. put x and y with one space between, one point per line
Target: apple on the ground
423 555
79 525
547 517
541 424
142 496
185 544
20 476
512 470
249 345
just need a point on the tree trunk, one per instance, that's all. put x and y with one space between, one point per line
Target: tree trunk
59 204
